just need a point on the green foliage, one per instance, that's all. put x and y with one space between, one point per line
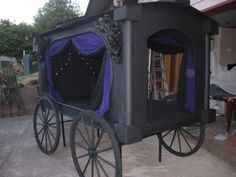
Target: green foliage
6 71
4 64
7 79
15 38
53 12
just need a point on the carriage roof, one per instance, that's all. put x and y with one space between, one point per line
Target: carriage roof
98 9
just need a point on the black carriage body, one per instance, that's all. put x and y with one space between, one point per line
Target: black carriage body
128 112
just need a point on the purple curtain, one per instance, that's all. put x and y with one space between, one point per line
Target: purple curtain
91 44
87 44
167 44
190 82
104 107
54 50
168 41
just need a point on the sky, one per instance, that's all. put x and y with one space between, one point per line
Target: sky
19 11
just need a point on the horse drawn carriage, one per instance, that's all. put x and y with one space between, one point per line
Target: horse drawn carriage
94 69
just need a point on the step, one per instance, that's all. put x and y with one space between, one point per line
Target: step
160 80
159 69
161 90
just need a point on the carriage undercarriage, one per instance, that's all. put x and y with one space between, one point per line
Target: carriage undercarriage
95 148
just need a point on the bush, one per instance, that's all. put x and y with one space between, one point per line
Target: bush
7 80
33 82
5 64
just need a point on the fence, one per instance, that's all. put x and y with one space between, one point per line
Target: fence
11 101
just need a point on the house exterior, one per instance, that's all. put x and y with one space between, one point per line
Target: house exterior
6 58
224 12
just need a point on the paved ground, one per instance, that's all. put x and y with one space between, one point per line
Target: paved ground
20 157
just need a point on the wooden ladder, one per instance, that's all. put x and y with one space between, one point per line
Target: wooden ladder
157 76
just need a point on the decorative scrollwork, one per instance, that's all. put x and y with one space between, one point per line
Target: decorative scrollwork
110 30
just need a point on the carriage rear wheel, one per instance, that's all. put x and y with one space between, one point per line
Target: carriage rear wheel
46 126
183 141
94 155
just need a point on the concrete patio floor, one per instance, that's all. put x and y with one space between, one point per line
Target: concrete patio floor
20 157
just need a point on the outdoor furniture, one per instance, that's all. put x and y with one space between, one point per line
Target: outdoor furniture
219 94
94 70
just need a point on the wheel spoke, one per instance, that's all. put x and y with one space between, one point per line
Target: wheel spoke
52 126
166 134
52 134
99 139
40 131
104 150
82 156
80 145
40 117
173 138
180 148
92 167
88 136
50 142
41 141
186 140
42 110
81 134
46 139
40 124
190 134
96 165
93 134
49 120
86 166
48 113
105 173
107 162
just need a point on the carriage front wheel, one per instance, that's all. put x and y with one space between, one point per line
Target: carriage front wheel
94 154
46 126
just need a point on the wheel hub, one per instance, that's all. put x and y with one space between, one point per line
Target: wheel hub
92 152
45 125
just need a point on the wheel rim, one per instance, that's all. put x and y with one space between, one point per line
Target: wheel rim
183 141
94 155
46 126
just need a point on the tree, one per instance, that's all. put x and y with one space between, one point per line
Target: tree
15 38
53 12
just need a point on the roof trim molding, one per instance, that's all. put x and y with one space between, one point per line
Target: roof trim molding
222 7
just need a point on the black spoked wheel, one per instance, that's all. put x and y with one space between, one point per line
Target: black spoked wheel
94 154
46 126
183 141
